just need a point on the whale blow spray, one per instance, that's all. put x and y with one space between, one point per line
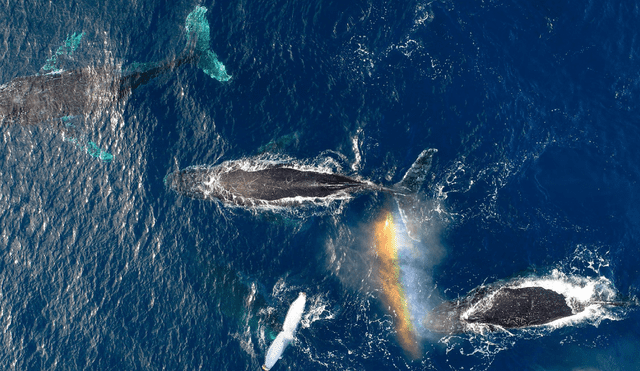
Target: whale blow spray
291 321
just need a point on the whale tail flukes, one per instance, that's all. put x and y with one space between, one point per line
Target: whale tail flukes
414 177
406 191
198 36
197 51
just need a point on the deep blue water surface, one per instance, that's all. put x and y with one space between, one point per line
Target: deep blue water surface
532 106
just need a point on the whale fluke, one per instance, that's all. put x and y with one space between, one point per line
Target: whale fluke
406 192
416 175
198 29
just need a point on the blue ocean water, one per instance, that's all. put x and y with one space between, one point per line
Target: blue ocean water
531 105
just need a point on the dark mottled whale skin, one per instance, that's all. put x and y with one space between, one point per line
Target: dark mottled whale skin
31 100
523 307
275 184
282 182
504 307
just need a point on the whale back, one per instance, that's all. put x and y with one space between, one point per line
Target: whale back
282 182
521 307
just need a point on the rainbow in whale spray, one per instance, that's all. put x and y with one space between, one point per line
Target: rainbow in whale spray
393 256
389 248
404 240
401 258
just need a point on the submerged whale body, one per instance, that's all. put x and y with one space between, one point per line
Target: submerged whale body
35 99
32 100
508 307
266 183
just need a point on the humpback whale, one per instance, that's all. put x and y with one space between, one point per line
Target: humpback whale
267 183
57 95
512 305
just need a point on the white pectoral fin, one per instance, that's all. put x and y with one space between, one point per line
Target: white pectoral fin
285 337
276 349
294 314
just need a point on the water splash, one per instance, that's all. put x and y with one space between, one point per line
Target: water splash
591 296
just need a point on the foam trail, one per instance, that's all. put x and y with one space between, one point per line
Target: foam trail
198 27
285 337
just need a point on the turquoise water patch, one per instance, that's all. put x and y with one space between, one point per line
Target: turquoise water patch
84 144
91 148
70 45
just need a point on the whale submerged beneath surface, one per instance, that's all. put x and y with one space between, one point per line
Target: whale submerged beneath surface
268 183
31 100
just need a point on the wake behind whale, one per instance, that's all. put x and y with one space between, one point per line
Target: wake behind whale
263 183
